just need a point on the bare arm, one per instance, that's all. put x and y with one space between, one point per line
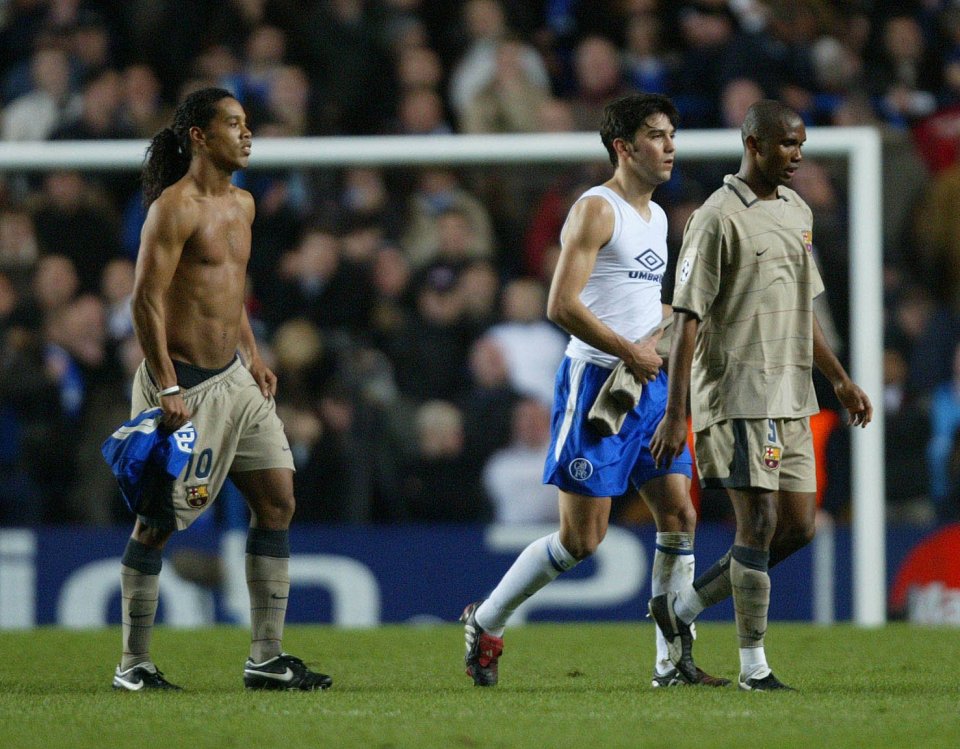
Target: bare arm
848 392
589 227
167 228
671 433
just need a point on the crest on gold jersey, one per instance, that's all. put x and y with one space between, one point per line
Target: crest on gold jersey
197 496
807 239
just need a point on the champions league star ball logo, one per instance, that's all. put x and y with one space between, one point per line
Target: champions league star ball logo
580 469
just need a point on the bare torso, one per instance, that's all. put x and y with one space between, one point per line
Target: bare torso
204 302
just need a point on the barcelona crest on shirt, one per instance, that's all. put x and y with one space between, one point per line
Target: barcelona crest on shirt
771 457
807 239
197 496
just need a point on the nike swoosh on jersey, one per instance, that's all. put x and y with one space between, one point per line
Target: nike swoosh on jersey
761 252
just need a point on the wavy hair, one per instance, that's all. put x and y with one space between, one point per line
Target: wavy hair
624 116
169 153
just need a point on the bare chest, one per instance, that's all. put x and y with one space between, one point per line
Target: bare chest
223 237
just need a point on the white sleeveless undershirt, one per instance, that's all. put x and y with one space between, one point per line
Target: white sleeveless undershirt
623 290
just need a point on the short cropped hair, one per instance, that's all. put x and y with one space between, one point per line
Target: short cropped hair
766 118
624 116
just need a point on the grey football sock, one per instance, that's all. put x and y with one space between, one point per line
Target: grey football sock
268 582
140 594
751 594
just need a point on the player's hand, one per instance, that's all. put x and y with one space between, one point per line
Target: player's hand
175 411
668 440
642 358
264 376
855 401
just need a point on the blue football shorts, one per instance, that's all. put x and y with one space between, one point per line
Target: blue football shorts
581 461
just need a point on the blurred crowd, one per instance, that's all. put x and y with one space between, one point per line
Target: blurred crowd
403 309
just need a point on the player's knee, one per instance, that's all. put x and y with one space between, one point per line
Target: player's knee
687 517
583 545
799 536
758 524
582 550
286 505
150 536
277 511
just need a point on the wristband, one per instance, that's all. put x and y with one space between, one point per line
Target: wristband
172 390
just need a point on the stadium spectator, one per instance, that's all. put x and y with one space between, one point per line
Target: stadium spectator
420 111
19 246
598 78
906 437
90 44
485 23
343 44
116 290
429 354
439 191
532 346
316 282
480 286
366 196
937 231
419 66
944 428
513 476
74 219
54 285
48 105
707 33
100 113
286 103
510 101
142 109
391 276
442 482
488 403
904 77
736 97
264 53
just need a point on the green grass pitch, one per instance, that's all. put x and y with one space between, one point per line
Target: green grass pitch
561 685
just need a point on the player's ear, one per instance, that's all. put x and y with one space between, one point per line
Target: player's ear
196 135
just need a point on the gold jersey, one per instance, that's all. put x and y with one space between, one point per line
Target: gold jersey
747 271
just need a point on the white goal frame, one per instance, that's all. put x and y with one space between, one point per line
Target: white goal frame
860 147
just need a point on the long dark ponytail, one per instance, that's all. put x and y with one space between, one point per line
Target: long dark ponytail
169 153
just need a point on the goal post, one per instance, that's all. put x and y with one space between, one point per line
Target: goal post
860 147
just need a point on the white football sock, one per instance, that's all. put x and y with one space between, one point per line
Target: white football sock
753 663
673 565
538 564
